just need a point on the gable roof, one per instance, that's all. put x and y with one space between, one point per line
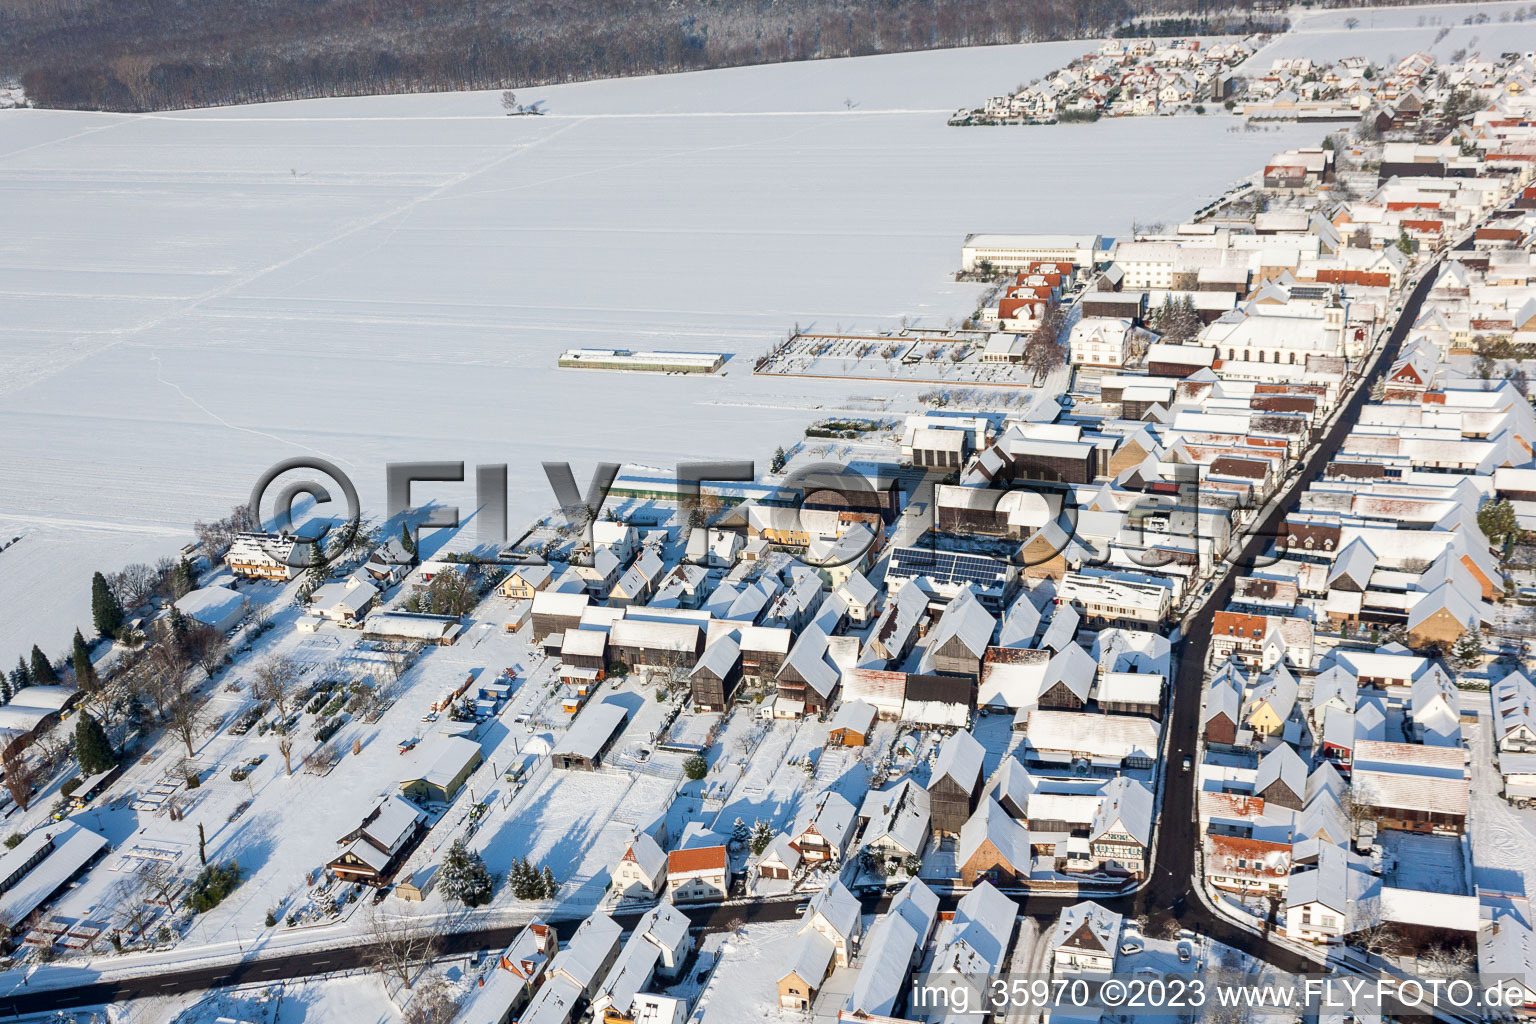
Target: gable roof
1087 926
1127 803
960 758
1008 837
965 620
1282 765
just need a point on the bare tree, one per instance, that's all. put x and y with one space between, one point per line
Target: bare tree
399 659
400 945
157 882
433 1003
132 911
277 682
20 774
187 720
1446 961
206 647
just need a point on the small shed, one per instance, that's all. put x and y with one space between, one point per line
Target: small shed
852 725
589 738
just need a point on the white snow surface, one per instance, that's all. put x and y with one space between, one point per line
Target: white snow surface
191 297
1386 34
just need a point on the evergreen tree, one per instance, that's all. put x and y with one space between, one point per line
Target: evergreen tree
92 748
464 877
406 541
177 623
106 613
1467 654
548 887
7 687
521 879
740 833
42 669
1497 520
85 672
21 677
183 578
762 835
780 460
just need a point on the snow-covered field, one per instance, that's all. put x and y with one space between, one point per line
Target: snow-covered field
1382 34
191 297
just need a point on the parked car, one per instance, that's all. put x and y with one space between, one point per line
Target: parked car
1188 764
1186 952
1130 947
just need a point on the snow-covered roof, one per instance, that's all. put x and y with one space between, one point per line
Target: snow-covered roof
975 938
215 606
1326 883
965 620
960 758
1411 758
450 756
1087 926
1125 805
855 715
1285 766
73 848
831 815
43 697
395 819
808 659
838 907
898 816
1410 792
647 855
719 657
889 949
1008 836
1100 736
591 730
1073 668
589 949
1130 688
810 958
857 590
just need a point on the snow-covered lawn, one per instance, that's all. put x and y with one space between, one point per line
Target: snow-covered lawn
356 1000
744 986
1503 838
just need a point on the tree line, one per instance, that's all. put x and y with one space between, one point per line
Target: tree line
135 55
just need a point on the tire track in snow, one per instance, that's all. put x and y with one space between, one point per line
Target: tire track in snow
128 334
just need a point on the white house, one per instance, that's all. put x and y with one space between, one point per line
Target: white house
1099 341
218 607
1085 939
701 873
642 871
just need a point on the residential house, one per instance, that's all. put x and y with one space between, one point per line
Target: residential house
955 783
1085 940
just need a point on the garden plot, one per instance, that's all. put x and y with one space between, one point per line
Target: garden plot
574 823
744 986
922 359
772 782
1501 835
